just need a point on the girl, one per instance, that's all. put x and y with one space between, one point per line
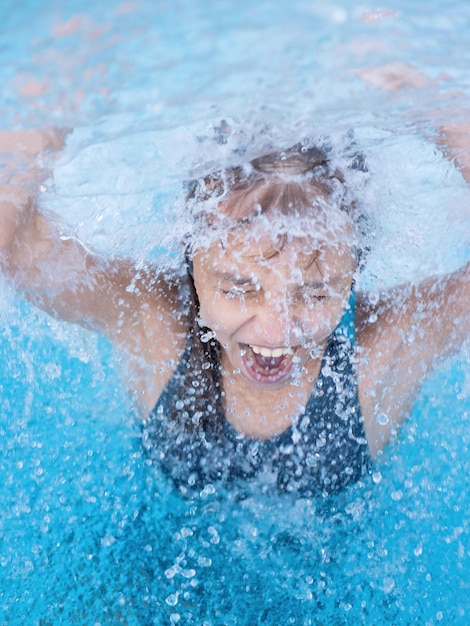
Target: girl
260 358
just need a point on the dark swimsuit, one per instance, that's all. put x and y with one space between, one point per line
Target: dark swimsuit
325 450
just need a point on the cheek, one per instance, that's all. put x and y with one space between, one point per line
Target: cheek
323 318
220 315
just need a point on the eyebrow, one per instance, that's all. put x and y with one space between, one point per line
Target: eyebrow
234 279
239 281
320 284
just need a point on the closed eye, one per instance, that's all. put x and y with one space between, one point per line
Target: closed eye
311 295
239 292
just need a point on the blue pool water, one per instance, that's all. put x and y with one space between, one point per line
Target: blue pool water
89 532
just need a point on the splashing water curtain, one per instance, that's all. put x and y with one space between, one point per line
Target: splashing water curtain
90 532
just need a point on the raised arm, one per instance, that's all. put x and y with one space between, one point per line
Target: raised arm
454 136
20 179
137 309
413 326
57 272
455 140
400 339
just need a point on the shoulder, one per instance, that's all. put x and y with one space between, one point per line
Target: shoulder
153 337
400 336
164 314
390 363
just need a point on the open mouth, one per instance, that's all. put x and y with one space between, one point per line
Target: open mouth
267 365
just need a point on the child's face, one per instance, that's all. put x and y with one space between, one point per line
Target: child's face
272 311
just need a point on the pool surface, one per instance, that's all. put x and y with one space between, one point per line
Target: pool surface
90 533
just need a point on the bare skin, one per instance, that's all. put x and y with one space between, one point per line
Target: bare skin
454 136
286 302
285 306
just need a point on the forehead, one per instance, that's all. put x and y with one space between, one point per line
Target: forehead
251 252
240 220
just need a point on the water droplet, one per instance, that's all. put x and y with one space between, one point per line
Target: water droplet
377 477
208 490
172 599
389 584
171 572
108 540
382 419
205 337
215 539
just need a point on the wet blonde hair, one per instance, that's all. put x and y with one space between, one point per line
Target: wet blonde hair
294 182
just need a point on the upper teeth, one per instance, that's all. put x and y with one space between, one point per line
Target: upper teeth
271 353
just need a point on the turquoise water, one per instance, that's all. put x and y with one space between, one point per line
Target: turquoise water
89 532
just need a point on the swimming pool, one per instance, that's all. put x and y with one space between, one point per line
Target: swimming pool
90 533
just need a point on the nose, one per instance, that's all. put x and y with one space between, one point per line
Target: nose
275 327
